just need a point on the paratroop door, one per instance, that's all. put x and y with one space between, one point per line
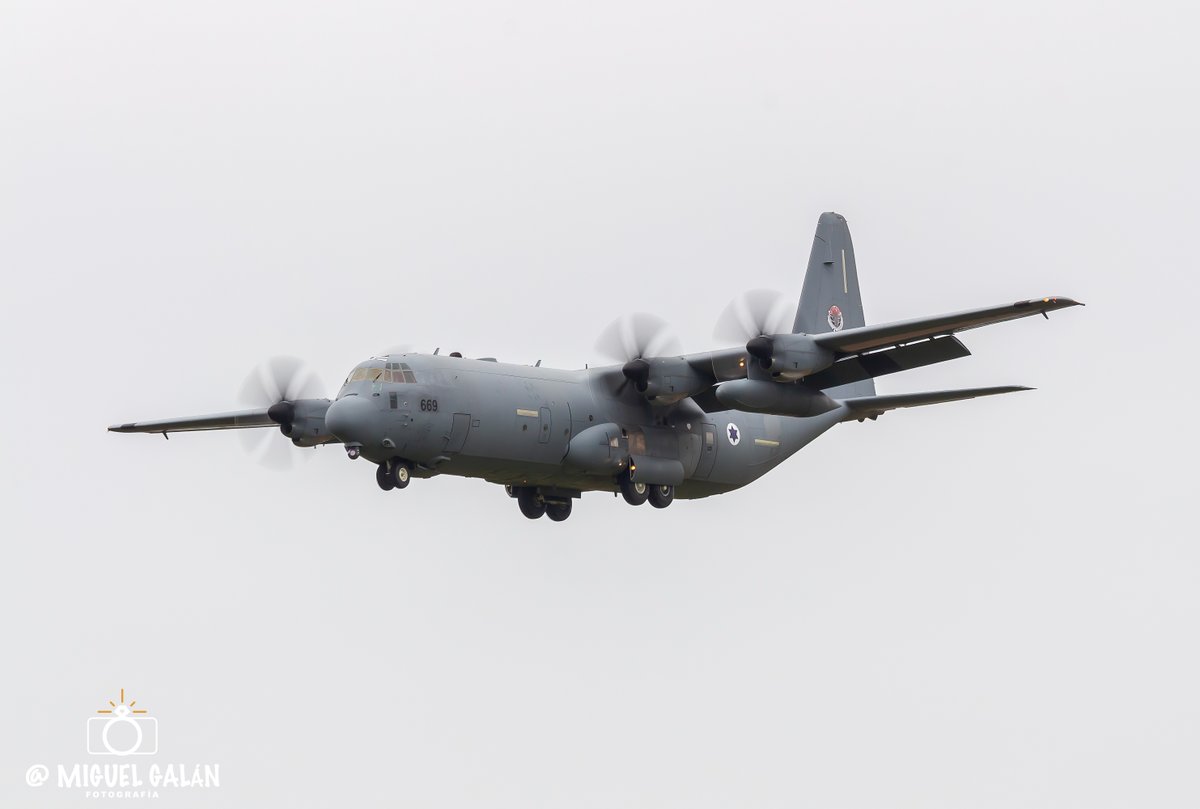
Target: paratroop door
708 451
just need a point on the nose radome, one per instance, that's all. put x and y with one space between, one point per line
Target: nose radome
349 418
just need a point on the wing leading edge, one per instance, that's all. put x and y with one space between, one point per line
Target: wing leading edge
869 338
238 420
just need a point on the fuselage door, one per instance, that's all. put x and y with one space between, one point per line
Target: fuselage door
708 451
554 430
458 432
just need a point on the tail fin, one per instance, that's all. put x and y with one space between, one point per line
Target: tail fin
831 300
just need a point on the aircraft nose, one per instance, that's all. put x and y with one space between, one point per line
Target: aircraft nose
348 419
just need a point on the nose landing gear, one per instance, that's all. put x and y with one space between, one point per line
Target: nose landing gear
393 474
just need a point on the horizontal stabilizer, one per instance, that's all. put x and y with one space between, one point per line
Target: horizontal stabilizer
869 338
880 363
218 421
870 407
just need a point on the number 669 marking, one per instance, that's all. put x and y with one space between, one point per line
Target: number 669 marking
429 405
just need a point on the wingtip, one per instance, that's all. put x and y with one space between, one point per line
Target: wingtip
1062 301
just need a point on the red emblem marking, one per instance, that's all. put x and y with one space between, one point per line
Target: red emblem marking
835 318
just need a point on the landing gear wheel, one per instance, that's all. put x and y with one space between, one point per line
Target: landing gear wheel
559 510
384 478
531 505
635 493
662 496
401 474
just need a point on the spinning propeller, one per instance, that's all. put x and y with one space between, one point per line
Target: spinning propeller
275 384
753 317
632 339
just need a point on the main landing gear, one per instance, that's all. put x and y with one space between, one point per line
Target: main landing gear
662 496
393 474
533 504
635 492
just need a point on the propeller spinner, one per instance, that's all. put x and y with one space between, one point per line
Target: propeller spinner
753 317
276 384
632 339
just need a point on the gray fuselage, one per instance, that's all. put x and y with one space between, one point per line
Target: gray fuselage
514 424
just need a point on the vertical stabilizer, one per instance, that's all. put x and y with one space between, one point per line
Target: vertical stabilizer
831 300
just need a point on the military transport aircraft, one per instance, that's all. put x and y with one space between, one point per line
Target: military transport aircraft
659 426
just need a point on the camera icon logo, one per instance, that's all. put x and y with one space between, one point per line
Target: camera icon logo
125 731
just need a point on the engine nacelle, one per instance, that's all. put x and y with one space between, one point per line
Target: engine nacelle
789 356
798 355
776 398
666 379
303 421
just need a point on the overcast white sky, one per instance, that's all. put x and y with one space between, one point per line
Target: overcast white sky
992 603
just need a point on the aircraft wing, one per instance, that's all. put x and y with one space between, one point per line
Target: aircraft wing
218 421
722 365
871 407
868 338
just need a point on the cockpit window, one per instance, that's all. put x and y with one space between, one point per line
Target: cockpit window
397 372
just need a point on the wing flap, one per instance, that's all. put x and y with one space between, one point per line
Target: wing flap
869 338
238 420
889 361
871 407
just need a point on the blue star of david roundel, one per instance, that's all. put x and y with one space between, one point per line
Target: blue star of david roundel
733 433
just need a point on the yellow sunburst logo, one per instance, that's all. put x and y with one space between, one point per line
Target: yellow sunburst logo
122 709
